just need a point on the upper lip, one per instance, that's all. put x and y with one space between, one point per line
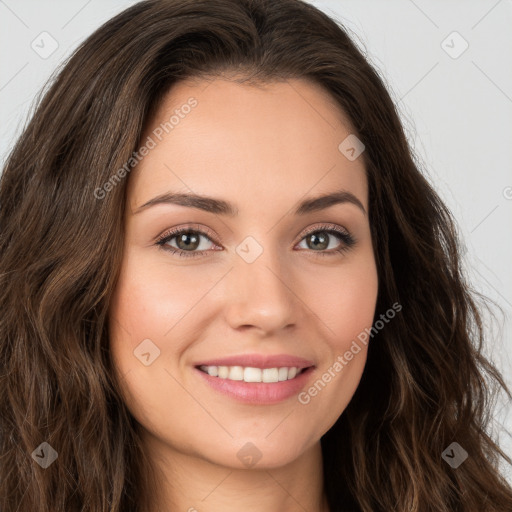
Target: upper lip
259 361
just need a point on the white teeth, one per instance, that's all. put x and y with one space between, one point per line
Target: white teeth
223 372
270 375
252 374
283 374
249 374
236 373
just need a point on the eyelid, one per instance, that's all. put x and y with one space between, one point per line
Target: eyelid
324 227
347 240
202 230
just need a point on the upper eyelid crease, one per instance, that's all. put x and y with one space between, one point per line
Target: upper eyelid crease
342 234
199 228
221 207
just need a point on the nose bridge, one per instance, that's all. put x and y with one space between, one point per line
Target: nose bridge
261 295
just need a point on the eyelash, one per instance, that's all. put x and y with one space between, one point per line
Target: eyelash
344 236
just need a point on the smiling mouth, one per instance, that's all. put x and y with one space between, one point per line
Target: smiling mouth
250 374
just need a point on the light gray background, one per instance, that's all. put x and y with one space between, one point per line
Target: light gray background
457 112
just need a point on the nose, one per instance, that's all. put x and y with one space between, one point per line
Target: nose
260 295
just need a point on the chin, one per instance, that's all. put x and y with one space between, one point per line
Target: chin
254 453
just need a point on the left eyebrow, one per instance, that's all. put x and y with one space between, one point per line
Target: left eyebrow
221 207
325 201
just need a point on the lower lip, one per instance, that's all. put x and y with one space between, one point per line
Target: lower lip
262 393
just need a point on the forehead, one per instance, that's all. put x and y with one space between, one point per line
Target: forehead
223 138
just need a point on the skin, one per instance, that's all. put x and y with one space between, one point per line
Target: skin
264 149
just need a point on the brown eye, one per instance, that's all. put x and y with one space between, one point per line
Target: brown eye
187 241
318 241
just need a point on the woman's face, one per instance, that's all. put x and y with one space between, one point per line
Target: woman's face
253 294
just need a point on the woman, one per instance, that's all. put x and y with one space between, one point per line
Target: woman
226 285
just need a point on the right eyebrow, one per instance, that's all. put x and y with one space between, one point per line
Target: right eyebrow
208 204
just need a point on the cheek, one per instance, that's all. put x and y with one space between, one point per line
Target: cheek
164 304
142 310
344 299
150 301
354 307
145 308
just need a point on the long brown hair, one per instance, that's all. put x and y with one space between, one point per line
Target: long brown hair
426 383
